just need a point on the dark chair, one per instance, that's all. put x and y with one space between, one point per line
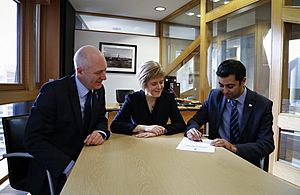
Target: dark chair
17 158
121 94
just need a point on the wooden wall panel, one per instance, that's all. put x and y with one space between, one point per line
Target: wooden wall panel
51 39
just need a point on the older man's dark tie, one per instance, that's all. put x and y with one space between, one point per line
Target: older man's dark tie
234 123
87 113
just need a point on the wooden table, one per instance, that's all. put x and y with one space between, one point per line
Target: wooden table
125 165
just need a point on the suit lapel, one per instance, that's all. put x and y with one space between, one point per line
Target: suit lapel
249 104
75 101
219 113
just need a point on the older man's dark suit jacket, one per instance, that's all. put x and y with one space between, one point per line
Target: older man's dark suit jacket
135 112
54 134
256 134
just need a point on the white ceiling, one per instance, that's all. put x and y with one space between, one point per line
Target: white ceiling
130 8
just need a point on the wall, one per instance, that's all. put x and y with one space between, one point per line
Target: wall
147 49
67 27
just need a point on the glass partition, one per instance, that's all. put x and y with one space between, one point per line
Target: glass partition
291 70
213 4
188 76
178 33
246 37
172 48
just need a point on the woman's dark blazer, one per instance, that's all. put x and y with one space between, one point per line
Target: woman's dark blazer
135 112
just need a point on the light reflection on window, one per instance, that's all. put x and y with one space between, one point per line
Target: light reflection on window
294 75
291 70
9 40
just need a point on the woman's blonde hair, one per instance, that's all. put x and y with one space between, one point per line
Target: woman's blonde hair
150 70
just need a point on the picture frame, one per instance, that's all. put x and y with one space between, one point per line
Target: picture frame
120 58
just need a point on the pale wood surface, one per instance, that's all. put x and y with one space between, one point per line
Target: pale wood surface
129 165
288 172
276 73
7 97
291 14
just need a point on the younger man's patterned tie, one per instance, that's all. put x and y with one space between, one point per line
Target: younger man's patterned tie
234 123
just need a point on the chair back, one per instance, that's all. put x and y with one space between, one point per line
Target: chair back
14 128
121 94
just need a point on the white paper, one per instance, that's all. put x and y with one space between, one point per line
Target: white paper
190 145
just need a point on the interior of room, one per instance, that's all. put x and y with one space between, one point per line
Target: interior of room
189 38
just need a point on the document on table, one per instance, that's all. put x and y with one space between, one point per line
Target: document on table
190 145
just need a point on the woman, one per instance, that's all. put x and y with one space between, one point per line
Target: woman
145 113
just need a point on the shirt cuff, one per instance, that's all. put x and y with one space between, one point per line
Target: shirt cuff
165 131
103 134
69 167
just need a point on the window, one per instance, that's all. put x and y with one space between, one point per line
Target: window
10 41
179 32
246 37
188 76
291 81
16 60
289 150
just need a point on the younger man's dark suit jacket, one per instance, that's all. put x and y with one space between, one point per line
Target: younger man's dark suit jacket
256 134
54 134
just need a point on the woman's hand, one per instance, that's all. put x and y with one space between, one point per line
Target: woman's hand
156 129
145 135
144 131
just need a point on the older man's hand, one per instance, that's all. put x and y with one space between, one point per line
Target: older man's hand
93 139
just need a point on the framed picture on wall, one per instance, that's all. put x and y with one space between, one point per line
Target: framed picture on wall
121 58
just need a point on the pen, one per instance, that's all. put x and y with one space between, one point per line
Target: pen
200 140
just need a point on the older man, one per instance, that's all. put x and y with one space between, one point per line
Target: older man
67 114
